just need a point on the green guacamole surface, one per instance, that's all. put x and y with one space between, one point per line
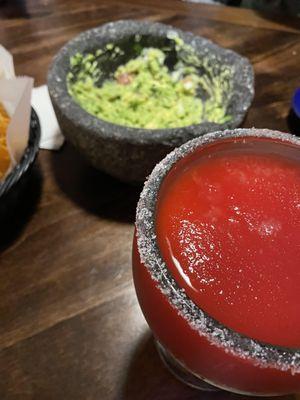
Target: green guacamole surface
144 93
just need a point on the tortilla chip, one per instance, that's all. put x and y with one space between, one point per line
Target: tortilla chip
4 155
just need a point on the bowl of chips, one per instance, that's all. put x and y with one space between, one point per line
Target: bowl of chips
11 175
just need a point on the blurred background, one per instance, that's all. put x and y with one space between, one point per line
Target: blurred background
291 7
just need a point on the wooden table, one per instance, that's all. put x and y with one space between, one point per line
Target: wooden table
70 325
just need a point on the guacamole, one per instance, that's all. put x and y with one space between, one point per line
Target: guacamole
144 93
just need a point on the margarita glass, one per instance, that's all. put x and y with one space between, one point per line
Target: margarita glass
216 261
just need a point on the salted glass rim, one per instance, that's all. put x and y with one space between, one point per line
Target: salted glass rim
262 354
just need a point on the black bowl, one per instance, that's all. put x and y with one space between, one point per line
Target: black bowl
18 174
129 154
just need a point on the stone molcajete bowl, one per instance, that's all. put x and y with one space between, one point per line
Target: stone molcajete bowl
126 153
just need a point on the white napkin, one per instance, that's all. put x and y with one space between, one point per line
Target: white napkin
15 93
51 136
7 69
15 96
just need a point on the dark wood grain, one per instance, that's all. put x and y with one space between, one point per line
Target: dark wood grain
70 325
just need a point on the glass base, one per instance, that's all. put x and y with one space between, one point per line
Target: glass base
184 375
181 373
